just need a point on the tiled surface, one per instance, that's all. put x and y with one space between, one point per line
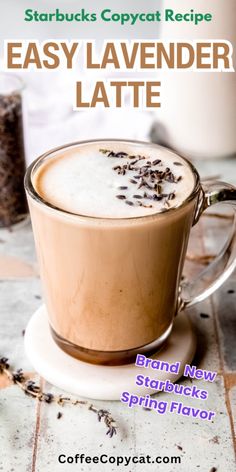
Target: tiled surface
32 437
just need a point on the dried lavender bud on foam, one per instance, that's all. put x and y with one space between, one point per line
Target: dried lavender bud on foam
88 180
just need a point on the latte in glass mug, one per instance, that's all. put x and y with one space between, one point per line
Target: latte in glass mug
111 221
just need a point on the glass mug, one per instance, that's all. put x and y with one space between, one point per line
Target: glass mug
112 286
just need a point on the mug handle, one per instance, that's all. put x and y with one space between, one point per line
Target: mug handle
222 266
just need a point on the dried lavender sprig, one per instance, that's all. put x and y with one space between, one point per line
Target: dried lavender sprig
4 365
29 387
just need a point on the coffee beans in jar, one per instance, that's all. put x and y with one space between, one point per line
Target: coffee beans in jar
13 206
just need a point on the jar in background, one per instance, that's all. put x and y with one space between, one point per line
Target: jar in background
13 206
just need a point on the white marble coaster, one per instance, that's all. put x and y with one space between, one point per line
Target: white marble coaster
102 382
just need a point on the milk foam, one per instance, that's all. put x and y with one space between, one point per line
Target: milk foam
89 180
